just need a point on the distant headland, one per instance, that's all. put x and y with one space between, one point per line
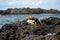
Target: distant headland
27 11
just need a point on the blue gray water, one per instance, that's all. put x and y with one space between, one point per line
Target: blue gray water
13 18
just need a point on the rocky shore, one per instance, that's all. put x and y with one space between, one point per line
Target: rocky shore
48 29
27 11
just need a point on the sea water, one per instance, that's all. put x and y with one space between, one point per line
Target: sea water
13 18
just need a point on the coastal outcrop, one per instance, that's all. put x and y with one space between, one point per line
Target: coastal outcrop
27 11
48 29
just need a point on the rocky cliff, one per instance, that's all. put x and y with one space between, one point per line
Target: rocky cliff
27 11
23 31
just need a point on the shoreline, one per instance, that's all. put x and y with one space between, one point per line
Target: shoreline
49 27
16 11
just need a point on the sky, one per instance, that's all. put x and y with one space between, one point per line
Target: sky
45 4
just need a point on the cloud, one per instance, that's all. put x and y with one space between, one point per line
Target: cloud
11 3
25 3
29 3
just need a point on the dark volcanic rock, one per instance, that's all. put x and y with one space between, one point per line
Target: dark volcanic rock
27 11
51 21
1 11
24 31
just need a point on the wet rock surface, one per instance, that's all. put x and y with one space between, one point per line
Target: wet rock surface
25 31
